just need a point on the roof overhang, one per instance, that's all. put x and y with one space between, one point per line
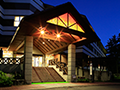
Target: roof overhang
30 26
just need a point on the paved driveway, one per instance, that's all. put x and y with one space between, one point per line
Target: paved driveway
66 86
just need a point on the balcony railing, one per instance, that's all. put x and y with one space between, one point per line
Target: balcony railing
10 61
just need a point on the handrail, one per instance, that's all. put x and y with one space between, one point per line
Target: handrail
61 65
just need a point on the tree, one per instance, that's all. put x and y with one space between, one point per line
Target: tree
113 51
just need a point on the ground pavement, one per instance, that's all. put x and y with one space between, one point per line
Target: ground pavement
55 85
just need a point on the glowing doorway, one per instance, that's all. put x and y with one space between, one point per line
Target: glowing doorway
37 61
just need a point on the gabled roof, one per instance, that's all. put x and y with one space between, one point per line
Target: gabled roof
30 26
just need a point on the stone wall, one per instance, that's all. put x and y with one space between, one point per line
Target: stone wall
98 75
105 76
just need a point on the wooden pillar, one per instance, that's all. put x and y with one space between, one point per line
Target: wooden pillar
14 54
28 48
60 58
71 62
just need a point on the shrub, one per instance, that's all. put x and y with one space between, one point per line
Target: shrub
5 80
17 76
83 80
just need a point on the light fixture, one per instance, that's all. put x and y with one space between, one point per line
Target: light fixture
43 42
58 35
42 31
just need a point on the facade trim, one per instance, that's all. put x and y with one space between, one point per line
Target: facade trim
84 50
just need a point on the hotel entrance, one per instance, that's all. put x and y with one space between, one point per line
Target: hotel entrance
37 61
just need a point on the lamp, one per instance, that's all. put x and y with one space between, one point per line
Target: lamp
58 35
42 31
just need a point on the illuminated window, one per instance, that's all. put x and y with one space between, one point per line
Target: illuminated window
7 53
67 21
54 20
17 20
37 61
64 18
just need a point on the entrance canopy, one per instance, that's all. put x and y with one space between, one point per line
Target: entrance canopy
54 29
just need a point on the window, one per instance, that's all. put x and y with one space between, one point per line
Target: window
17 20
66 20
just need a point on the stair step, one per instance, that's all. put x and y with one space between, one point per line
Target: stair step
59 72
45 74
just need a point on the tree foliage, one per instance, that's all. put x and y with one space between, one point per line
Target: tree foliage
113 51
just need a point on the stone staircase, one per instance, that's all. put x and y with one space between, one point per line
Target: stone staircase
46 74
59 72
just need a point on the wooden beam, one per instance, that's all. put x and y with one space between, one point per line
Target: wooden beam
58 43
58 49
39 48
41 44
47 36
64 40
45 44
53 43
67 37
48 42
79 40
20 45
72 37
63 43
37 45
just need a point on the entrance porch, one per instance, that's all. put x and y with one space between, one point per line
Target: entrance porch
51 32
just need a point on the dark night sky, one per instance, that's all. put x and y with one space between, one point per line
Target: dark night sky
103 15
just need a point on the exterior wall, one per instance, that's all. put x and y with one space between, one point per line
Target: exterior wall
10 65
92 50
11 8
57 56
80 72
10 68
99 50
103 76
64 59
86 74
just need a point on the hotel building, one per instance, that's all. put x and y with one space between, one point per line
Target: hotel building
21 36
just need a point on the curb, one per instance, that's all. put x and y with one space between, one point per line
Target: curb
77 85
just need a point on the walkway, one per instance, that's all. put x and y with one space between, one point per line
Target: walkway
55 85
